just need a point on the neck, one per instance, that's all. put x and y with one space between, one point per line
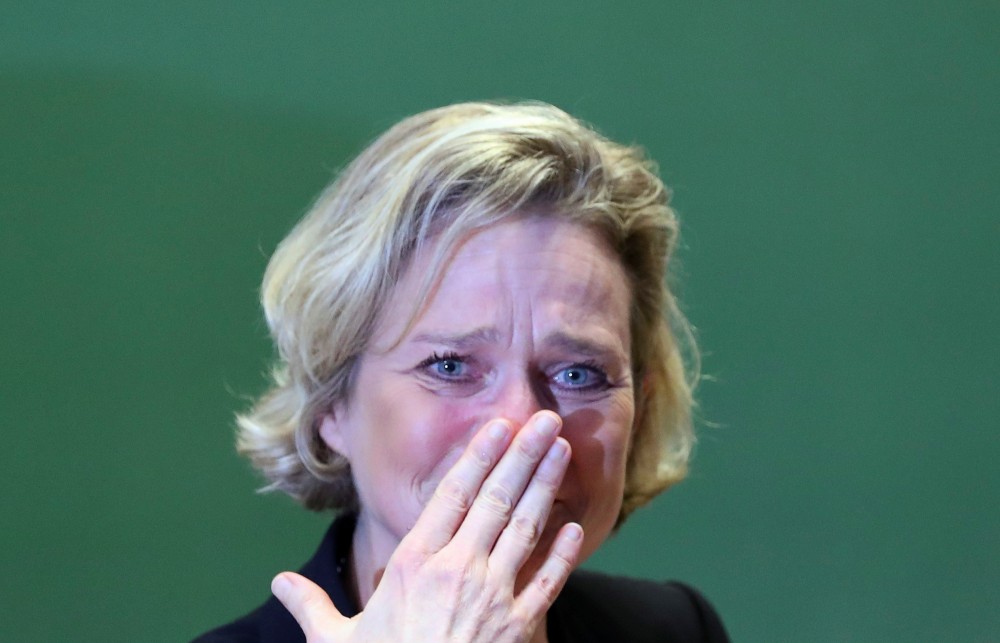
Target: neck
370 552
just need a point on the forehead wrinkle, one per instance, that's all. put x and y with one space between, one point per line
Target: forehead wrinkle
588 346
506 296
459 340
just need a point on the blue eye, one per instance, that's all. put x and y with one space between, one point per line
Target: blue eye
449 367
580 376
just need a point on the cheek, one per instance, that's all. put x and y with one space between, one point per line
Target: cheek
432 453
621 423
596 477
418 442
600 438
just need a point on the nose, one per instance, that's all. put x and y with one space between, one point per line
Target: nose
520 397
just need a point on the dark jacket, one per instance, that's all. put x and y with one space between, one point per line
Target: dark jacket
592 607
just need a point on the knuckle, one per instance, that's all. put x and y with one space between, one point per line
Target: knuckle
525 528
548 586
519 622
447 574
481 461
528 449
548 478
408 558
498 500
565 563
453 493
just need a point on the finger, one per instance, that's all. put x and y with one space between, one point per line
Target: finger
492 508
455 493
518 539
309 605
542 590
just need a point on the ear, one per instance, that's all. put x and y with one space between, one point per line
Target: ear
331 431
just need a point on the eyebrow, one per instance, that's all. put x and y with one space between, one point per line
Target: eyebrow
490 335
581 345
482 335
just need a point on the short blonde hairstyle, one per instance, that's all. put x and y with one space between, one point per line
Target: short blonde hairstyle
443 174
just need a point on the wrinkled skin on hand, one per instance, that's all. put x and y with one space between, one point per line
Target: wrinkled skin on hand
453 577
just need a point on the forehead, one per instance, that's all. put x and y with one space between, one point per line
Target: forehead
534 270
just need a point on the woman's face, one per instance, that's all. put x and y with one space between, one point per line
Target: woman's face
529 314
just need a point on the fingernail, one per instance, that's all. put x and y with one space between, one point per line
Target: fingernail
557 451
546 424
498 430
575 532
281 585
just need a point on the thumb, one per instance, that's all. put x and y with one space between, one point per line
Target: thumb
309 605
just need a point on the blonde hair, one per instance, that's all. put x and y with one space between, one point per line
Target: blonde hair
444 173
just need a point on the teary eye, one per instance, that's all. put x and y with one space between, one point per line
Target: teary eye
447 366
581 376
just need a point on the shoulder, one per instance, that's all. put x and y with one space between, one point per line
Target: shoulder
599 607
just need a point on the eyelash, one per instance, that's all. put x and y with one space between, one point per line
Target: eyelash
595 369
591 366
436 358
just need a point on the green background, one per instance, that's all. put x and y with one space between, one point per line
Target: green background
836 166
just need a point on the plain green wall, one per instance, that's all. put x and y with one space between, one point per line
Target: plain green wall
836 166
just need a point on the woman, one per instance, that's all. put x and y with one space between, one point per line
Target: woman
479 369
